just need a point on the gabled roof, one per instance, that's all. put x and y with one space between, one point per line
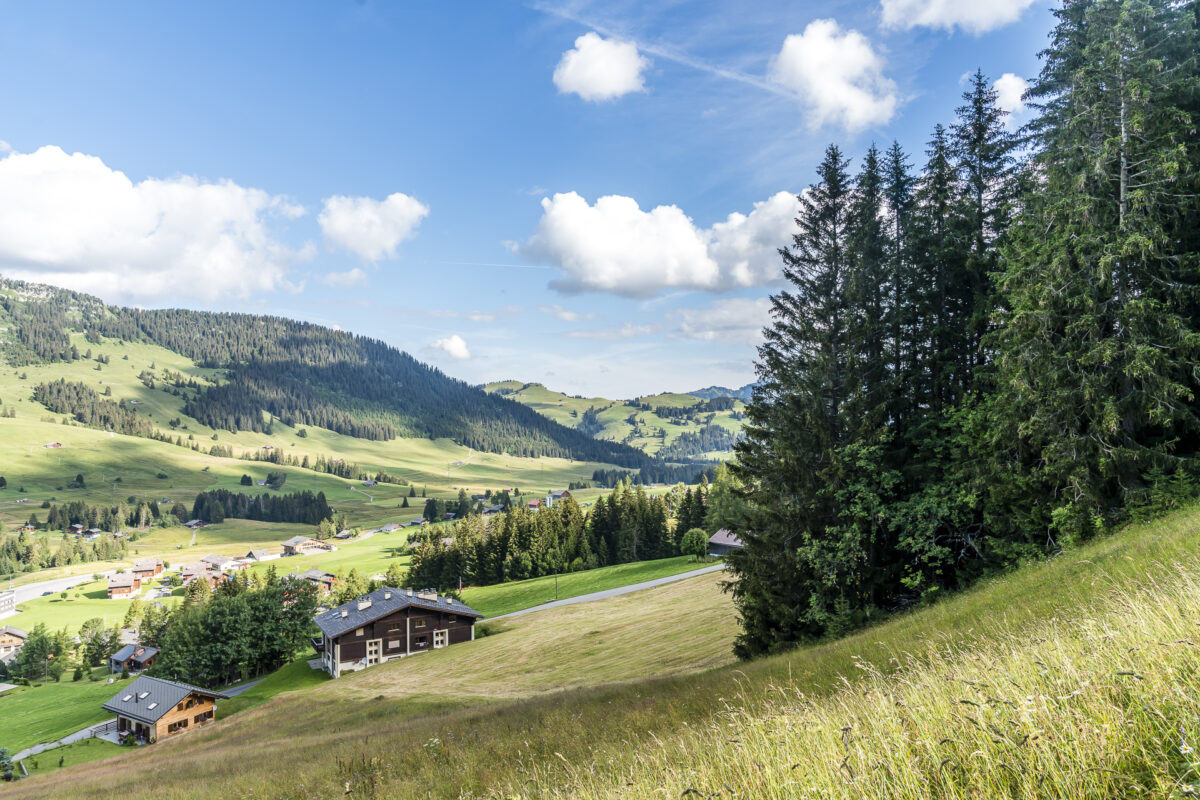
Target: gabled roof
258 555
296 541
130 650
122 580
148 699
216 561
143 564
9 629
333 624
725 537
315 574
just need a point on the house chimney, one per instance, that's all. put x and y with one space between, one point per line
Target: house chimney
387 595
345 613
364 603
410 592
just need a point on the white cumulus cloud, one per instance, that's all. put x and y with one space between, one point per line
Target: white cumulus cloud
371 229
614 246
453 346
71 220
1009 89
972 16
600 69
838 76
738 319
351 277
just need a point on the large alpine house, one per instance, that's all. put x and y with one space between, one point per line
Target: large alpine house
390 623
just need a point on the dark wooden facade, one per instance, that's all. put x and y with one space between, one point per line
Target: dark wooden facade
401 633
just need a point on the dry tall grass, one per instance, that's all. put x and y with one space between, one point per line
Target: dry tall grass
1106 704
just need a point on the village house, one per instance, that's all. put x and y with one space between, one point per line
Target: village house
152 708
75 528
123 586
147 568
488 511
535 504
217 562
561 494
195 523
723 541
258 555
8 601
390 623
11 641
303 545
324 581
391 526
133 657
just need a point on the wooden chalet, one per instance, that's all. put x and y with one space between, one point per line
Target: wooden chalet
147 568
11 641
133 657
390 623
722 542
215 562
303 545
152 708
258 555
324 581
123 586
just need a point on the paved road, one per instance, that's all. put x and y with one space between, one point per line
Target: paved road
31 590
620 590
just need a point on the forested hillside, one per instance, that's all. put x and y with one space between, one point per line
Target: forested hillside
296 372
989 358
673 427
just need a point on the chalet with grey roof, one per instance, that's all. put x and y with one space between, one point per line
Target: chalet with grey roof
302 545
390 623
722 542
11 641
123 586
133 657
152 708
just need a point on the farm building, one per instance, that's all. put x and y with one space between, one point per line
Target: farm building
123 586
152 708
11 641
133 657
303 545
721 542
390 623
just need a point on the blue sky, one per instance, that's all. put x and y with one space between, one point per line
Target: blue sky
540 191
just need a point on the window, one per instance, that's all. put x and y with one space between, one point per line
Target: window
358 632
175 727
419 623
451 618
394 627
393 643
126 698
152 706
205 717
191 701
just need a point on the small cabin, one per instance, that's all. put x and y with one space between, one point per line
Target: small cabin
722 542
133 657
147 568
150 709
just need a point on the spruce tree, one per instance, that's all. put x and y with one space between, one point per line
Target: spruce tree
1100 333
796 422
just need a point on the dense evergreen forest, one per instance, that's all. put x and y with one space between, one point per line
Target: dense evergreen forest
626 526
85 406
21 553
300 374
218 505
989 358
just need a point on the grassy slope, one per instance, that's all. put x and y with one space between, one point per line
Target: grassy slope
30 715
503 598
613 414
580 742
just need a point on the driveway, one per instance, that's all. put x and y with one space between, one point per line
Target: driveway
620 590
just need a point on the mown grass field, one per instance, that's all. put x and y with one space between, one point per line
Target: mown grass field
504 598
1043 651
614 414
31 715
71 755
82 603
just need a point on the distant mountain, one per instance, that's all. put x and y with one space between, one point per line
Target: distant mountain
710 392
296 372
674 427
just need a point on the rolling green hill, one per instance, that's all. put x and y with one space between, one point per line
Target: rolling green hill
240 372
676 427
1076 677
